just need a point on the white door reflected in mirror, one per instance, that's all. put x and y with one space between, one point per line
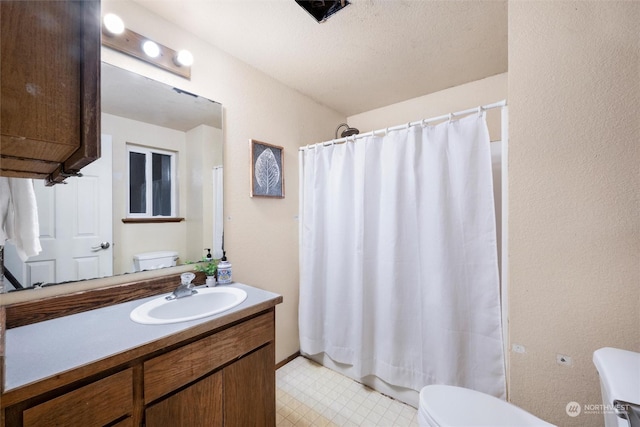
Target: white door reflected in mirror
74 218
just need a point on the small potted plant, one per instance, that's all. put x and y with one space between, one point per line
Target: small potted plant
209 267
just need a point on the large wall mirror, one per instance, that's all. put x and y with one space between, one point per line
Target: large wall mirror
155 193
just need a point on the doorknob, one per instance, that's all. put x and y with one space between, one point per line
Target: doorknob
103 245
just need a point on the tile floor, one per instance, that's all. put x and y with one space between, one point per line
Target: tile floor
308 394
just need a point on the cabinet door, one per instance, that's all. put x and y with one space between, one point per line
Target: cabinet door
250 390
96 404
175 369
50 58
198 405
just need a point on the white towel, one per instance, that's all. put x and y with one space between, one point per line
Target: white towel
19 216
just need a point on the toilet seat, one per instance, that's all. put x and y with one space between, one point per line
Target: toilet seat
450 406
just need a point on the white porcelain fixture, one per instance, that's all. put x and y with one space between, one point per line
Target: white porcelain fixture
154 260
619 372
206 302
443 405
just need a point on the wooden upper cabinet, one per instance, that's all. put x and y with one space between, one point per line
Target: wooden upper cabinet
49 87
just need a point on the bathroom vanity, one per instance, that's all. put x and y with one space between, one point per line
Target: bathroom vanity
99 368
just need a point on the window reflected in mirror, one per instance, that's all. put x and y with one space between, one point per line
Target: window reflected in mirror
152 178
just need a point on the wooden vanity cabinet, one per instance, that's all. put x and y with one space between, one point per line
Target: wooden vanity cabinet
225 377
49 87
241 394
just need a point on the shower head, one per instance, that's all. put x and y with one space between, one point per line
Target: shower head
347 132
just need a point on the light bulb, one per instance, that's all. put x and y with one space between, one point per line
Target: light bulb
113 23
185 58
151 49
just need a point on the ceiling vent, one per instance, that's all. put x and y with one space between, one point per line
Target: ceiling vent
321 10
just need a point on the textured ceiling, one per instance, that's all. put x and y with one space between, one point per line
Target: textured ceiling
370 54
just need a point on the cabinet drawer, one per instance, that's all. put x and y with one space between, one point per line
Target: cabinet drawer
177 368
96 404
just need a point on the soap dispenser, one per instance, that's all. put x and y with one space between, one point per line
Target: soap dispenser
224 270
211 279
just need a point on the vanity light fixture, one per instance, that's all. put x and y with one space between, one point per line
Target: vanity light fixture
184 57
113 24
117 37
151 49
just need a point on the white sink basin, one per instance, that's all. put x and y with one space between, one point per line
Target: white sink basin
207 302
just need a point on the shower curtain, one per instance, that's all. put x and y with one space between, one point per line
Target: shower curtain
398 257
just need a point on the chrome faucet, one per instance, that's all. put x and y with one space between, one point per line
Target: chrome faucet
185 289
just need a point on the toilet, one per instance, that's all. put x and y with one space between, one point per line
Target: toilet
154 260
619 372
450 406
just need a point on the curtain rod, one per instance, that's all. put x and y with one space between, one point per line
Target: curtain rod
450 116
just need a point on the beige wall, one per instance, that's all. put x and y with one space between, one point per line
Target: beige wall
470 95
261 235
204 151
574 96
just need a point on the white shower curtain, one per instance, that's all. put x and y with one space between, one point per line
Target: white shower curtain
398 258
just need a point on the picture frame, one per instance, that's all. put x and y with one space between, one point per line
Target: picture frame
266 169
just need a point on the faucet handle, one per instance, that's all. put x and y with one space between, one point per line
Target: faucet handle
186 278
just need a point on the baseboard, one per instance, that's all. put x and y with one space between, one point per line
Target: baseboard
287 360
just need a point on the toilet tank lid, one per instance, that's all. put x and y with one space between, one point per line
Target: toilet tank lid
157 254
619 372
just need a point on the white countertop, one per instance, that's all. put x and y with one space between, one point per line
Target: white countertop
41 350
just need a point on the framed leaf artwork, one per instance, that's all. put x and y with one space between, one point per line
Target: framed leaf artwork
267 170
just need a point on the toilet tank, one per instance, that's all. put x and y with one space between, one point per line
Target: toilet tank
619 372
154 260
